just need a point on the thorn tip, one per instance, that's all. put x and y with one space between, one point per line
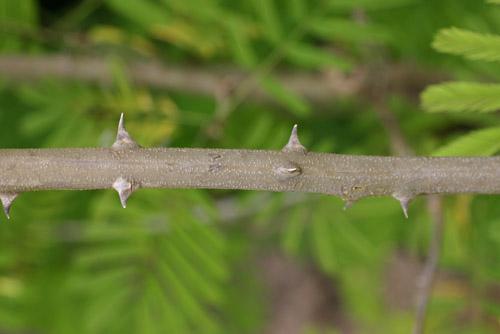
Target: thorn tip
124 190
294 144
404 206
7 199
123 138
404 201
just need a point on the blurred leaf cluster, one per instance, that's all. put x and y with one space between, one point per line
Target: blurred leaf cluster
184 261
462 96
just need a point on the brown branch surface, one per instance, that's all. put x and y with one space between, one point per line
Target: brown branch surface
343 175
126 167
350 177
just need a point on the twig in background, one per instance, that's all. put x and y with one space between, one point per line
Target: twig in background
428 275
316 87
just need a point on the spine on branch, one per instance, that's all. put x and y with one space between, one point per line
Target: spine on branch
127 167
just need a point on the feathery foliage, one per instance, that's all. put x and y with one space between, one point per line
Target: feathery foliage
191 261
484 142
472 45
467 96
462 97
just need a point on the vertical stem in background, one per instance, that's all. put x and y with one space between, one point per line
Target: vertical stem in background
435 207
428 276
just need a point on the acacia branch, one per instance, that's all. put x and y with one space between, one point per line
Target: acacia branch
127 167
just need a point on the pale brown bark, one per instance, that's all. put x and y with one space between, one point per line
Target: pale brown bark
343 175
317 87
350 177
126 167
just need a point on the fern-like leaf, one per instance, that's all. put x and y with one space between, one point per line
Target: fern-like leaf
472 45
316 58
483 142
462 96
164 274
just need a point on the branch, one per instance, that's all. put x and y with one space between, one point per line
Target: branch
127 167
315 87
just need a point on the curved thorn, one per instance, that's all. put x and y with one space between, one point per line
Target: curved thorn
404 200
294 144
404 206
123 138
7 199
124 189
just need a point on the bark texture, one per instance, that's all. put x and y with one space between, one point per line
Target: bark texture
126 167
347 176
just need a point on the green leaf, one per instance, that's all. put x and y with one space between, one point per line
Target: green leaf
10 313
21 13
293 232
270 19
203 10
346 30
297 9
191 274
315 58
295 103
263 128
213 266
472 45
174 270
483 142
240 44
170 315
144 13
461 96
184 297
322 241
368 4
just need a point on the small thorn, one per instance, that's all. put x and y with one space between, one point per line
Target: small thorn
404 200
294 144
123 138
124 189
404 206
7 199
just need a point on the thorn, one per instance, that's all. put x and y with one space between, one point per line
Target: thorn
294 144
404 200
123 138
7 199
404 206
124 189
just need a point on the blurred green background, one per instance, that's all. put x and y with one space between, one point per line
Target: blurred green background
349 72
